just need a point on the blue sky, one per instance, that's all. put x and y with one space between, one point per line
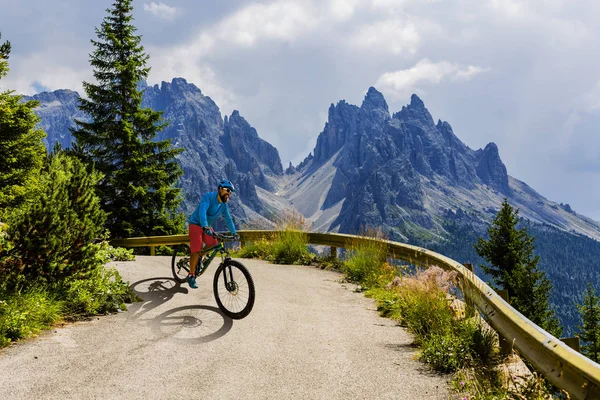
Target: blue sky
523 74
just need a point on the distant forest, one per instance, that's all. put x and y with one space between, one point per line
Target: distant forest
570 261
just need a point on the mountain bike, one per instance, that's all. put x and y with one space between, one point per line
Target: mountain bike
232 285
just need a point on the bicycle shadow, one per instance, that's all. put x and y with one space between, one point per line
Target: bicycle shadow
157 292
195 323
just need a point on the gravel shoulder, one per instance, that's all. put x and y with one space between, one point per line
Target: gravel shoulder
309 336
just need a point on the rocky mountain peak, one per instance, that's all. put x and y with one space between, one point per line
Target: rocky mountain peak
374 100
341 122
491 170
415 112
250 153
416 102
64 96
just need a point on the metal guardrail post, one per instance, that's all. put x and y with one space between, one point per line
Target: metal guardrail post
468 298
333 252
572 342
152 250
506 347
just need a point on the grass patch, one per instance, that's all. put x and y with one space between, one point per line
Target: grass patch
27 308
26 314
452 339
366 263
289 245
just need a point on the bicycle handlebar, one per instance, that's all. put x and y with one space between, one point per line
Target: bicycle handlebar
223 237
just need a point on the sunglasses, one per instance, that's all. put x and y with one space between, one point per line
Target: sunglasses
227 190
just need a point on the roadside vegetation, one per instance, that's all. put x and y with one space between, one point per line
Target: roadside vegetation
452 337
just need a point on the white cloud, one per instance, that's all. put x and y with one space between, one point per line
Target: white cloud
161 10
391 35
283 20
425 72
47 70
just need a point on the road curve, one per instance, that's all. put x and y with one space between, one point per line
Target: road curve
309 336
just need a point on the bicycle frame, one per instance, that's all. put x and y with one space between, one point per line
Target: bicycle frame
219 247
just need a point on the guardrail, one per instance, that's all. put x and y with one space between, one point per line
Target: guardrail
561 365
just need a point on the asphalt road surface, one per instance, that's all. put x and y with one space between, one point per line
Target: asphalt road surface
309 336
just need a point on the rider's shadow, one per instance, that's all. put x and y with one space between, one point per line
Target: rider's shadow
188 323
154 292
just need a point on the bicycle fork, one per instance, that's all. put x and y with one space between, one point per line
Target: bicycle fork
230 284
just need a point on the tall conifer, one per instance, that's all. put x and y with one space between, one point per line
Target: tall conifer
590 329
22 152
137 190
514 267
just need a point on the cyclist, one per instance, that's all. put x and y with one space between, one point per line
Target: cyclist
212 205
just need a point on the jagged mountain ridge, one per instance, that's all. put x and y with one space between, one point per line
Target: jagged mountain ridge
369 168
405 173
215 148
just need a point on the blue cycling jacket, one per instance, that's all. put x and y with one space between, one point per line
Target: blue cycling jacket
209 210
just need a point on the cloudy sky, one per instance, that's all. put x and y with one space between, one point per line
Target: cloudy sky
524 74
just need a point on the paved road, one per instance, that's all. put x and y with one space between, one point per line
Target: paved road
309 336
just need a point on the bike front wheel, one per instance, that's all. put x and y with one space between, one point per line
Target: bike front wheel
234 289
180 262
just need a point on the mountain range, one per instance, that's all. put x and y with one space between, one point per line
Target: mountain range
401 172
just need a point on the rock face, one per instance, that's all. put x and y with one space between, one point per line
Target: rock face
404 173
250 153
214 149
491 170
57 111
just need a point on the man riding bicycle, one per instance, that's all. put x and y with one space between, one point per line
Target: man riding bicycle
212 205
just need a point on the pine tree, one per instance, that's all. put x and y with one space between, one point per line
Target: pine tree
137 190
22 151
590 330
52 237
513 267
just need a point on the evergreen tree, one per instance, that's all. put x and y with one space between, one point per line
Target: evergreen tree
590 330
52 237
22 151
513 267
137 190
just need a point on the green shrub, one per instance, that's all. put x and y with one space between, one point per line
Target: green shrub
102 291
290 243
290 247
366 263
259 249
108 253
52 237
25 314
445 351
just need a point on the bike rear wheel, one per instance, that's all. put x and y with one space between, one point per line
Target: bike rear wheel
180 262
234 289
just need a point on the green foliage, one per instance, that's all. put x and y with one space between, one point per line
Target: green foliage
138 189
258 249
52 237
26 314
108 253
101 291
22 151
514 267
590 328
366 263
290 247
290 243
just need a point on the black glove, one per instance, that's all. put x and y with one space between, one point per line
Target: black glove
208 231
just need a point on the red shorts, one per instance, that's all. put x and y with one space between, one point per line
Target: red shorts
197 236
